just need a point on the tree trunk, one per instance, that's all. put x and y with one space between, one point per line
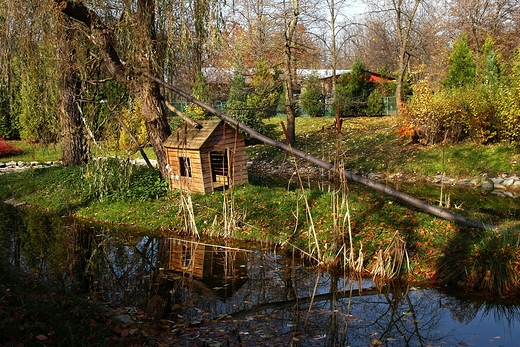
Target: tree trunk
147 92
73 140
404 22
289 98
422 205
157 125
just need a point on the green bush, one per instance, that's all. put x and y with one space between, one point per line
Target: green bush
146 184
453 115
107 179
114 179
311 97
375 104
484 261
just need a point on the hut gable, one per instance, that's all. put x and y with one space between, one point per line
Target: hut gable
205 158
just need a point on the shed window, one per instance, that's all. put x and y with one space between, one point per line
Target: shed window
185 166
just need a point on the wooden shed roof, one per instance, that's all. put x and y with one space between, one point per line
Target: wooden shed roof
189 137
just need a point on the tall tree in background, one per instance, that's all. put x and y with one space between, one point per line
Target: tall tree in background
404 17
265 90
479 19
462 68
38 94
9 35
237 105
404 14
290 29
488 68
311 96
353 90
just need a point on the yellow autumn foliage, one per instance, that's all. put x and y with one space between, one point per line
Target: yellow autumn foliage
132 117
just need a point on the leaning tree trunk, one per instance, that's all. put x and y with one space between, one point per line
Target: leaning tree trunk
73 140
157 125
413 201
146 91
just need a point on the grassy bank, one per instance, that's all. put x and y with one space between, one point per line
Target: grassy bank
349 224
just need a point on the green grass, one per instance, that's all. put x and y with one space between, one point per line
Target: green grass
34 152
42 153
368 144
371 144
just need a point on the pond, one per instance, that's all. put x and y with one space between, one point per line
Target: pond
212 294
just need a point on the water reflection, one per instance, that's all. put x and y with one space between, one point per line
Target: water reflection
220 295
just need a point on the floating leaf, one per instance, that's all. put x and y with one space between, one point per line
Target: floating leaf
42 337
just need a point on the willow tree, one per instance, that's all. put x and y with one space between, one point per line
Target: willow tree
73 138
147 38
29 72
144 90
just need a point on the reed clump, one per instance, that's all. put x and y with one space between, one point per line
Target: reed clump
486 261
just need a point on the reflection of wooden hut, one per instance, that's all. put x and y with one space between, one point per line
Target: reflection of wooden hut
206 157
221 269
187 257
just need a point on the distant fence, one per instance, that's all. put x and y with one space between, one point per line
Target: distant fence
181 106
390 107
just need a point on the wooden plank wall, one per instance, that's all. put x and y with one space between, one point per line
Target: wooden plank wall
193 183
223 138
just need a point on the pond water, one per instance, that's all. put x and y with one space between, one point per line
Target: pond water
224 295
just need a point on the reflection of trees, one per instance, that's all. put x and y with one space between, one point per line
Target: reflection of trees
330 317
79 255
282 299
465 308
123 266
10 225
79 250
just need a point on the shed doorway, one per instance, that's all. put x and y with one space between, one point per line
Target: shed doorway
220 168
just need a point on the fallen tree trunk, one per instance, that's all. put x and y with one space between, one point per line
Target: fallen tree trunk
413 201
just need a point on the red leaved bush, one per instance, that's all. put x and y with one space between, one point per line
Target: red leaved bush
7 150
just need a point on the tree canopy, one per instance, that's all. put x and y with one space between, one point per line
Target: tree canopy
68 68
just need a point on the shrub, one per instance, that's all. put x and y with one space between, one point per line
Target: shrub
311 96
353 89
237 105
115 179
375 104
146 184
485 261
107 179
7 150
452 115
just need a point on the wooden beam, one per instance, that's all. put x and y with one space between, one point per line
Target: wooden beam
413 201
182 115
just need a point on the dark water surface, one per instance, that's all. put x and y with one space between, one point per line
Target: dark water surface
219 295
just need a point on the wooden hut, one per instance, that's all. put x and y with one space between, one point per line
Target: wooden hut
206 157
